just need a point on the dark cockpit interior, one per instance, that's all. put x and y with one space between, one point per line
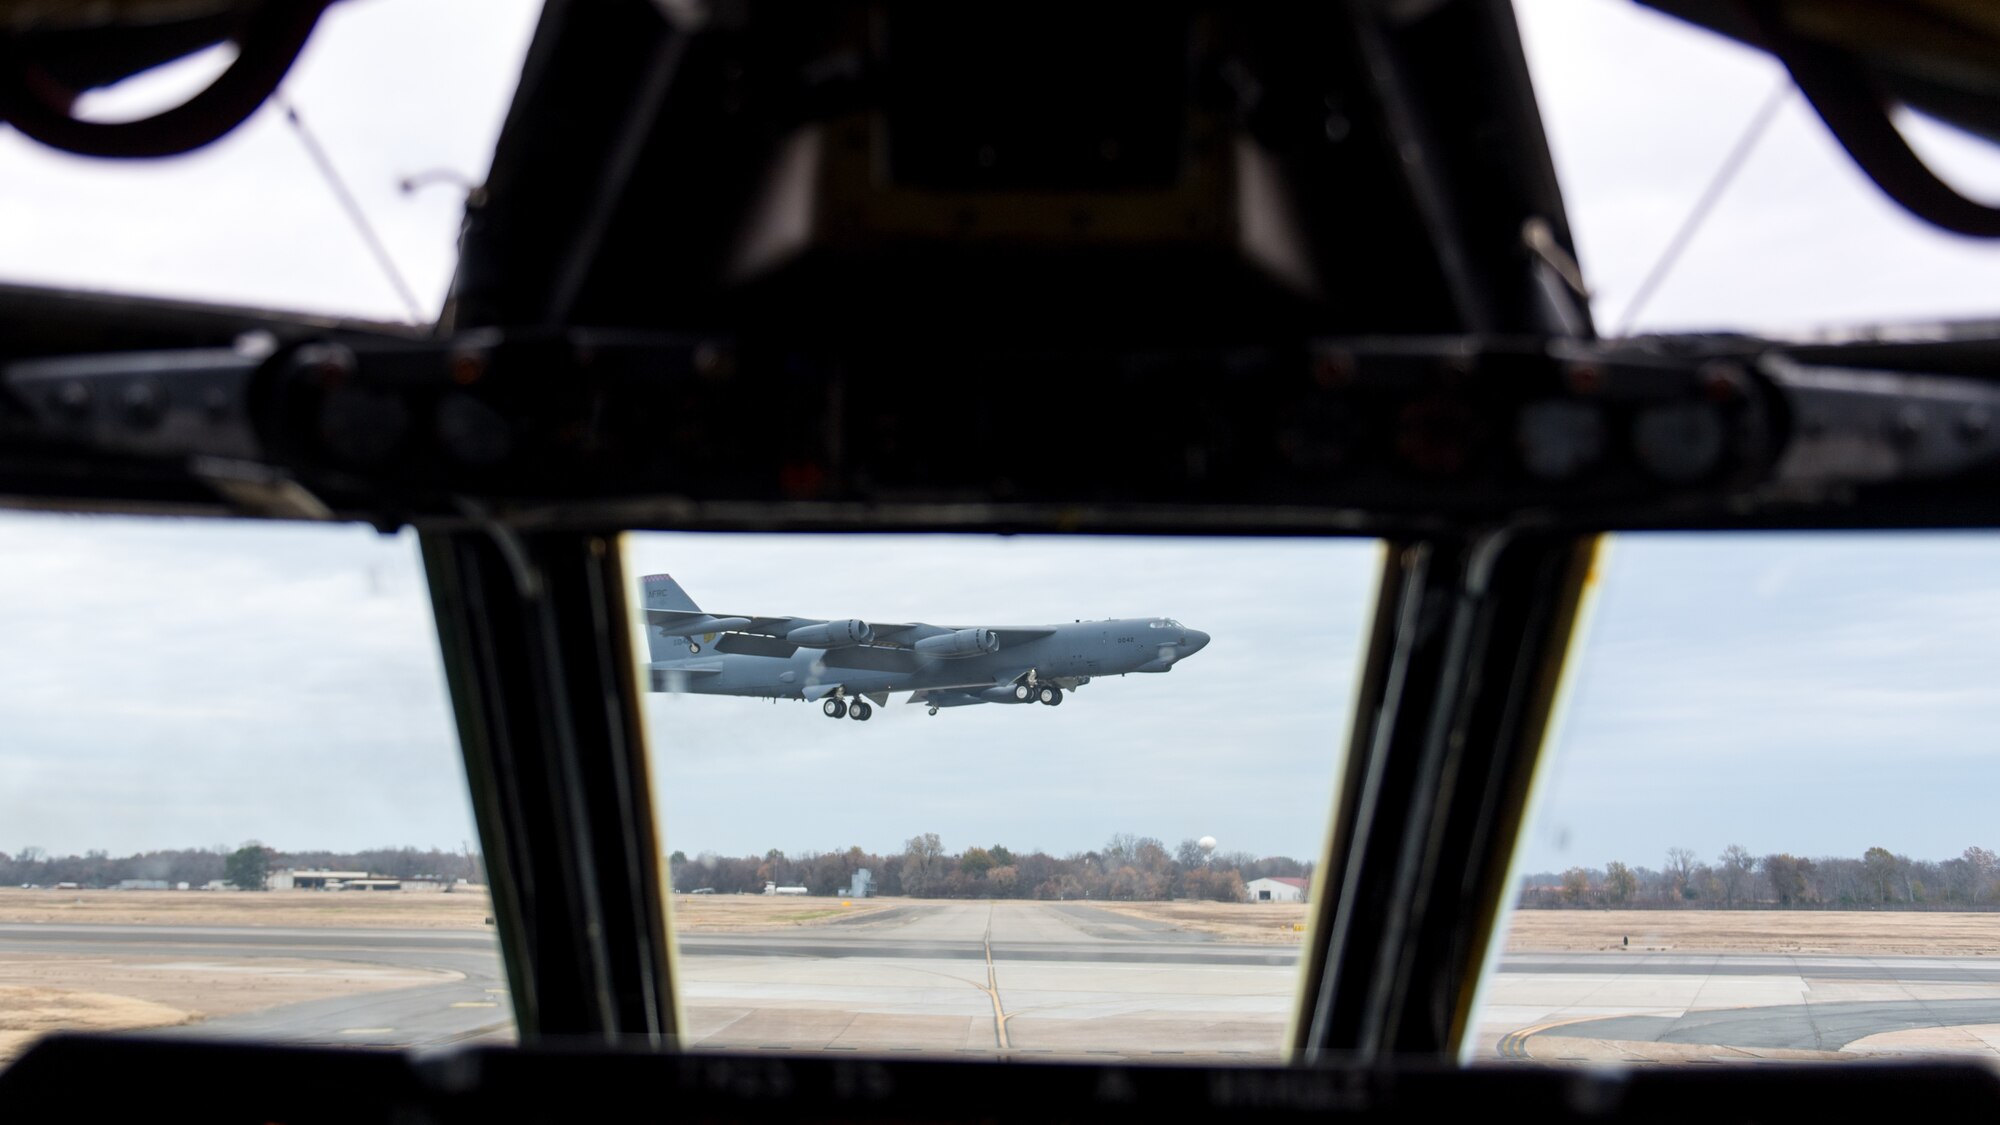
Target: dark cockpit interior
1189 269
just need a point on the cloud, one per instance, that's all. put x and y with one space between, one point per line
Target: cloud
1849 704
1240 742
174 682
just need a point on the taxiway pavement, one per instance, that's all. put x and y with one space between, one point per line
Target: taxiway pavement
1065 979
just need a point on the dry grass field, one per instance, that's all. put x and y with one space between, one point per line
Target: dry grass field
364 910
1719 931
739 913
1259 923
1857 932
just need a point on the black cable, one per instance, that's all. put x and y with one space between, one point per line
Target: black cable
1710 195
268 42
352 206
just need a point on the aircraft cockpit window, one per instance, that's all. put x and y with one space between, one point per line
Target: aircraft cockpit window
260 218
232 791
982 803
1766 831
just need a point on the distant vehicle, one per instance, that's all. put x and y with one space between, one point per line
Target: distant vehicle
702 891
775 889
847 664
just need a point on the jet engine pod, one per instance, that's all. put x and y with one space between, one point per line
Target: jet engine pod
832 634
964 642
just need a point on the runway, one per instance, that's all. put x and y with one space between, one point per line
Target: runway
1012 978
1647 1007
473 1006
1065 980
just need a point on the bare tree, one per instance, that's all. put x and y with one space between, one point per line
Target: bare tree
1680 870
1575 886
1789 876
1733 870
1979 865
924 868
1883 869
1619 883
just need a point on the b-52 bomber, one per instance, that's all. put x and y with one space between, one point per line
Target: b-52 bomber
844 665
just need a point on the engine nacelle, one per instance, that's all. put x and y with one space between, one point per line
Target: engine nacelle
832 634
965 642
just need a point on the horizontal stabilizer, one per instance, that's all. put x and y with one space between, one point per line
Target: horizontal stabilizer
747 644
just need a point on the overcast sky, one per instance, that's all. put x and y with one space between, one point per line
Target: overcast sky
173 684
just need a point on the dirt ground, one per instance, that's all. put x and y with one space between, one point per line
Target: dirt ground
1860 932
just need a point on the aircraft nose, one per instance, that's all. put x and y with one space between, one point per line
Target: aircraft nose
1194 642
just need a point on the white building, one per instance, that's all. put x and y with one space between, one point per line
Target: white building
1277 890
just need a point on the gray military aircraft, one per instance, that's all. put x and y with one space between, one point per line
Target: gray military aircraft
846 664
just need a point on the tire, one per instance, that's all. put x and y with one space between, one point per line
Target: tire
860 711
1023 693
1049 695
1056 699
834 708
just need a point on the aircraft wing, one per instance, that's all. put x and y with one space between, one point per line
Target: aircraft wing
685 623
873 658
765 636
1021 636
689 623
903 636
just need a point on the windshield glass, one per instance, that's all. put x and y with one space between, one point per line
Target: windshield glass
231 790
1765 831
962 794
404 101
1643 112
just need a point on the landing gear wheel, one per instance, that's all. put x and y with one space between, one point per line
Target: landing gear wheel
1023 693
933 708
1050 695
694 646
834 709
860 711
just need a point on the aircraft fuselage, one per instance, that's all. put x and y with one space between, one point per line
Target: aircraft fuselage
1069 655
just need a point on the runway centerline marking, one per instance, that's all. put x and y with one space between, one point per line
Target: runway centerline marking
993 984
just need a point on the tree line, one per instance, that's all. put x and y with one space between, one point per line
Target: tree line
1127 867
199 866
1878 879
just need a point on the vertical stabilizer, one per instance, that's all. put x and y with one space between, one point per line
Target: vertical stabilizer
662 592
